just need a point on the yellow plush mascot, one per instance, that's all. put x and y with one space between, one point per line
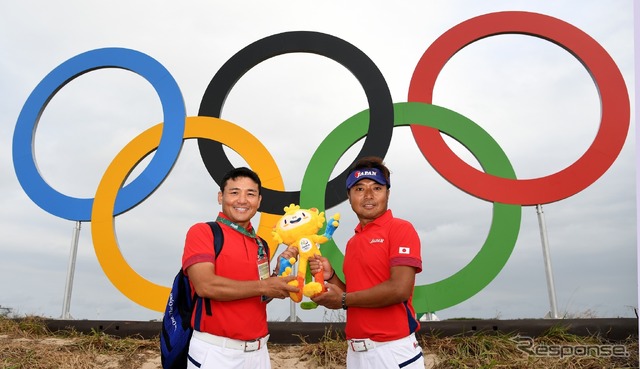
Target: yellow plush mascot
299 228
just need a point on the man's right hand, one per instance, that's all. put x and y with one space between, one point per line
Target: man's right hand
318 263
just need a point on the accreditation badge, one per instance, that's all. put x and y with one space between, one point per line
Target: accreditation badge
263 272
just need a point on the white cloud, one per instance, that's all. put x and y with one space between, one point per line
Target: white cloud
534 98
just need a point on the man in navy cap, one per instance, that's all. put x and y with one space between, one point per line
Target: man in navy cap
380 264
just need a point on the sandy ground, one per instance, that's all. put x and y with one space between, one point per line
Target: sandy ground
286 358
53 349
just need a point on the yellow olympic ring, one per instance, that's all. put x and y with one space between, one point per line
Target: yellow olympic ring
116 268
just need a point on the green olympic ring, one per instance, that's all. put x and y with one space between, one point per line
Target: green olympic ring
505 225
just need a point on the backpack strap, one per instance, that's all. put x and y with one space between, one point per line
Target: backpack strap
218 242
267 247
218 237
198 311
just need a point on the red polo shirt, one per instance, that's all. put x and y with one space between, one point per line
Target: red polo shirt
370 254
244 319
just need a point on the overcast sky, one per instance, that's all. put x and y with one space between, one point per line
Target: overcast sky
533 97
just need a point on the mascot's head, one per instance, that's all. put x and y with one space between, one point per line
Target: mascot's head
296 223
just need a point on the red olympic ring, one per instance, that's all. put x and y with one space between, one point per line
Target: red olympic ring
610 138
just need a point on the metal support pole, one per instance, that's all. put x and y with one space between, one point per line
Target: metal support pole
293 317
66 303
547 263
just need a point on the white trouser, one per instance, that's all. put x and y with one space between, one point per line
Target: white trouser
207 351
403 353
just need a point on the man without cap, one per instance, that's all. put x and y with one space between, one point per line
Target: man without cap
231 329
380 264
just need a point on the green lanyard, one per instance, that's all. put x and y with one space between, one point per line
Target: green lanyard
245 232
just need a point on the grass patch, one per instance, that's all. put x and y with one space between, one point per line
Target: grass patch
554 349
27 343
330 352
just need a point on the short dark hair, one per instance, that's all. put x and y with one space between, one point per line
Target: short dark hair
241 172
374 162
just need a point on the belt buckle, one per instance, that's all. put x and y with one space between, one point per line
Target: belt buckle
252 345
359 345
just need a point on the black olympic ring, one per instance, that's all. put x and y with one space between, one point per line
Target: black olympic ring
378 138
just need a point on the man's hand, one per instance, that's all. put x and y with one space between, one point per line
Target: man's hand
288 253
318 263
332 299
278 287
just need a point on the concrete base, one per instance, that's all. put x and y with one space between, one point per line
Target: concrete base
615 329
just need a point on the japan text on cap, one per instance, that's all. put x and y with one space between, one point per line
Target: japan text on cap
371 173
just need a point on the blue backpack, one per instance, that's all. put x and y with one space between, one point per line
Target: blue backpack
176 323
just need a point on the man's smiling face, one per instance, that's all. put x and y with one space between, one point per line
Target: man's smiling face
240 200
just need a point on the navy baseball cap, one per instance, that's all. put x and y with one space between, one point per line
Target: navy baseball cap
371 173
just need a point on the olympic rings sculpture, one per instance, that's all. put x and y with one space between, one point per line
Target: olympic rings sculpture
497 184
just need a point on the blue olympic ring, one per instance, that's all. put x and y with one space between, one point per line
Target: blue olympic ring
150 178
